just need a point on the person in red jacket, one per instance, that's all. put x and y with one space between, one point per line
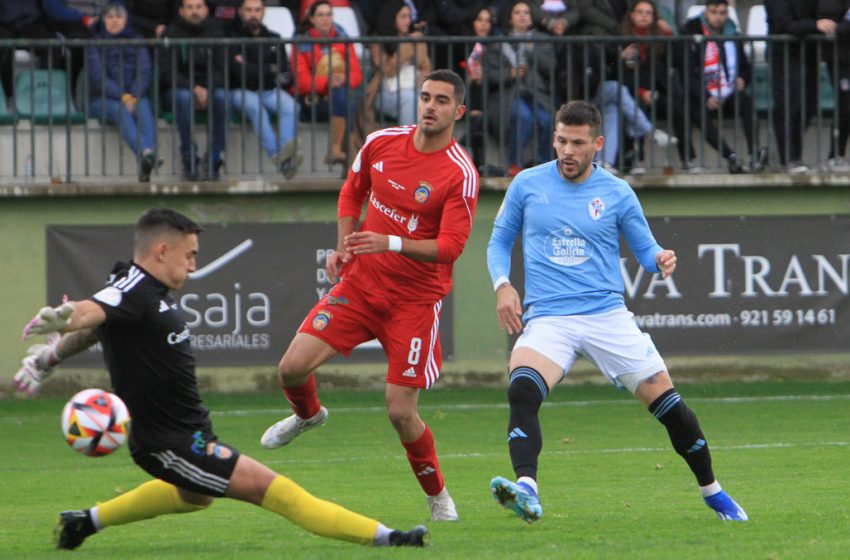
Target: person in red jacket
420 190
326 72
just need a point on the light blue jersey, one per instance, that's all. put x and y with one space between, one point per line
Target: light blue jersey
570 240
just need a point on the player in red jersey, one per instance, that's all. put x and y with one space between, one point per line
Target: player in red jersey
420 189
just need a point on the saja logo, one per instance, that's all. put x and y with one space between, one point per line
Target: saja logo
230 310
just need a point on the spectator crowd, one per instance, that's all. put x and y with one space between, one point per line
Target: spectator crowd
662 98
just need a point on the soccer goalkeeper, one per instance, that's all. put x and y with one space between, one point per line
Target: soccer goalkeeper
152 367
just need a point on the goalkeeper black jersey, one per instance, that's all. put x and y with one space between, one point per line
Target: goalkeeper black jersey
150 359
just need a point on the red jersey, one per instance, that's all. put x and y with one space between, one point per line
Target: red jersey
413 195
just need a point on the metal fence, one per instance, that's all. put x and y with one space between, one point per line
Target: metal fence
52 131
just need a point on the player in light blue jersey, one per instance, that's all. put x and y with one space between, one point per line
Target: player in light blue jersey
571 214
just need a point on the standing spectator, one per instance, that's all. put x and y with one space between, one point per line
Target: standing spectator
653 82
260 77
720 72
194 79
574 304
799 18
396 267
25 19
394 89
151 17
531 67
327 74
838 57
119 83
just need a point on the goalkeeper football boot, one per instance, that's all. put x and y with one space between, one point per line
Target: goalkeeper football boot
518 497
73 528
442 507
418 536
725 507
290 428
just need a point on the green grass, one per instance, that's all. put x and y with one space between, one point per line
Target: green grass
610 484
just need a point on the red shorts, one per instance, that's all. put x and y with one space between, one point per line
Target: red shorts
409 333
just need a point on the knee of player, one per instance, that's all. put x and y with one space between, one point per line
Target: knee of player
194 501
288 370
526 387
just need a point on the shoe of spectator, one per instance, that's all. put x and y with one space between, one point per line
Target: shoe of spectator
638 169
838 165
187 173
211 172
289 167
760 161
735 167
797 168
662 139
611 169
148 163
693 168
513 170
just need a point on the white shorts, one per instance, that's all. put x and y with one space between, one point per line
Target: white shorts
612 341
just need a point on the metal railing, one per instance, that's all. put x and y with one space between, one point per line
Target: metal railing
51 133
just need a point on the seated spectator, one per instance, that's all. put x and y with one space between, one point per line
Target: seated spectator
189 86
326 75
484 71
720 73
649 76
839 12
25 19
530 67
260 77
151 17
400 67
119 82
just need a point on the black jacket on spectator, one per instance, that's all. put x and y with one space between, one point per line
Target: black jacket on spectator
261 65
207 61
147 14
16 14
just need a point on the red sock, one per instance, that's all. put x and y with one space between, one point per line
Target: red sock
304 398
423 460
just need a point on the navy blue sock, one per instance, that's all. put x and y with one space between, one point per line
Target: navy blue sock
685 434
526 393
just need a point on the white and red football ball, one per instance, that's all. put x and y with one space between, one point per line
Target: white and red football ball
95 422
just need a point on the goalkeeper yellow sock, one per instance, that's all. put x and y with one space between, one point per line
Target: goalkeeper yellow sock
151 499
327 519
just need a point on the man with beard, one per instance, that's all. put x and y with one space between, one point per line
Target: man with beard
259 75
193 77
396 268
571 214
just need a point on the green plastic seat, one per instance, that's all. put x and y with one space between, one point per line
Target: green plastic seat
43 97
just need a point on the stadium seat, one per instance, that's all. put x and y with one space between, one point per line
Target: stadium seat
827 93
757 26
697 9
279 19
6 116
347 19
43 96
763 96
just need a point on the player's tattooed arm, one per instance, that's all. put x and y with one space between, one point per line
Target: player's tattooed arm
73 343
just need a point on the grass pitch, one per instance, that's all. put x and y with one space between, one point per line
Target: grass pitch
610 484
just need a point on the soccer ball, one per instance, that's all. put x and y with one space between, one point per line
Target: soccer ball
95 422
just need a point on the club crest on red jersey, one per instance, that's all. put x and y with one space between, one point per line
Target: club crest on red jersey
422 192
321 320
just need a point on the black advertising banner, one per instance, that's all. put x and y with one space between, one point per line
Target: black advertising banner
253 286
744 285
